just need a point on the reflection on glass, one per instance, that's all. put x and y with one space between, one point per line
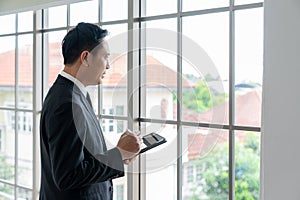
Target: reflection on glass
7 192
25 21
240 2
7 75
115 82
84 12
205 163
206 69
53 58
189 5
7 24
7 145
112 12
24 194
57 17
25 139
248 66
160 69
161 162
157 7
25 80
247 165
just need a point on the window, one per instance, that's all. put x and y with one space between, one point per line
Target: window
120 192
206 102
190 174
1 140
119 110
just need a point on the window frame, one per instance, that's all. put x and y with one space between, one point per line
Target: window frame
136 182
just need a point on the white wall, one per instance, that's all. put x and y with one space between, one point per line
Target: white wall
281 101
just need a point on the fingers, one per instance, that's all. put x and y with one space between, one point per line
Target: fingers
136 134
129 145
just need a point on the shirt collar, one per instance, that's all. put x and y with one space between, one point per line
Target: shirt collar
75 81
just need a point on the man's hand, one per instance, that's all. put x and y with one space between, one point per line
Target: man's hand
129 146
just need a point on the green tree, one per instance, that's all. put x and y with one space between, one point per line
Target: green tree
201 99
6 173
214 182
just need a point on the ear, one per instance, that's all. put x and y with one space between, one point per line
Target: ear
84 58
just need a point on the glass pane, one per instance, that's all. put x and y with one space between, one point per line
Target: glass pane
25 71
57 17
120 188
119 12
7 192
205 164
160 69
7 155
162 184
161 162
84 12
7 66
24 194
240 2
249 66
188 5
7 24
54 57
206 68
25 21
115 81
247 165
112 130
157 7
25 156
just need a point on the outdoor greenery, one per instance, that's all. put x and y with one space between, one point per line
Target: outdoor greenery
213 181
200 98
6 173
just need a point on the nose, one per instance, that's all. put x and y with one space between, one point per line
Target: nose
107 65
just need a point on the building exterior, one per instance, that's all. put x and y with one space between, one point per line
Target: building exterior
160 88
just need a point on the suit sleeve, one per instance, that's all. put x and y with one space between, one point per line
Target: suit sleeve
72 167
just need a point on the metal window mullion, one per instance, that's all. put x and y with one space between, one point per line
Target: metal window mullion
36 99
142 53
68 16
131 177
16 106
179 104
100 14
231 101
100 88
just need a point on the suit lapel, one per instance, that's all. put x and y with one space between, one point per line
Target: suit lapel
78 94
92 114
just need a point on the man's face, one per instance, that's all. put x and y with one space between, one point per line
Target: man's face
98 64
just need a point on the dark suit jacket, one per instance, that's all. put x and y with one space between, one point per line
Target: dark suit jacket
75 162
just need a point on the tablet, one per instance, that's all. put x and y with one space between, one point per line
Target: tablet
152 140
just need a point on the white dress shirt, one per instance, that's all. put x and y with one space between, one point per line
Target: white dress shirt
76 82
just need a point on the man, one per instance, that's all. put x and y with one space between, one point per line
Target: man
76 164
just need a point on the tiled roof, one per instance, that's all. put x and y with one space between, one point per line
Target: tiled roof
248 113
247 106
158 75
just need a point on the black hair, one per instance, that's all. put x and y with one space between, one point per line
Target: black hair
84 36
